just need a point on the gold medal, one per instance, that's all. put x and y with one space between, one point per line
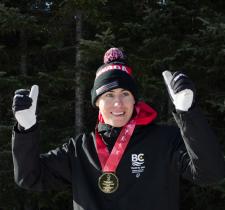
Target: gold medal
108 182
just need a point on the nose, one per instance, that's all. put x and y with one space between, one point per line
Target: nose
118 101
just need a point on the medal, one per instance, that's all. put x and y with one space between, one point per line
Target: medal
108 182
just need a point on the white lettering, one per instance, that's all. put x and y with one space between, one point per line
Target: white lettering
139 157
112 67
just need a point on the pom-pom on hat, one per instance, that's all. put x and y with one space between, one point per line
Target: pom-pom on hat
113 54
115 73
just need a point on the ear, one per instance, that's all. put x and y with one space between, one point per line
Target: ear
97 103
134 102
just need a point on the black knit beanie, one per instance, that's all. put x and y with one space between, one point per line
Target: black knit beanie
113 74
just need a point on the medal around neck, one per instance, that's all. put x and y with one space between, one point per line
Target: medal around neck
108 182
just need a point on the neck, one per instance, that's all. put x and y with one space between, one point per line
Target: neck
109 134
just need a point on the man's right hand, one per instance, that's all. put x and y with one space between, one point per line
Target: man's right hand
24 106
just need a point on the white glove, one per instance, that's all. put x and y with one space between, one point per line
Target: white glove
24 106
181 90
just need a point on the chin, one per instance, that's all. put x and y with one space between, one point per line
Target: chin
118 124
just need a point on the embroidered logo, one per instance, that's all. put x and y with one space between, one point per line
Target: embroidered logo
112 67
137 164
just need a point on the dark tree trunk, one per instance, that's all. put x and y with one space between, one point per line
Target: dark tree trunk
79 101
23 55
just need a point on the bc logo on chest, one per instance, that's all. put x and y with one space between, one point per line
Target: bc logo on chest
137 164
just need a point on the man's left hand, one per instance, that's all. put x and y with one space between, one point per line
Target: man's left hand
181 90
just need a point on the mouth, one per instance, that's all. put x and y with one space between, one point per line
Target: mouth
118 114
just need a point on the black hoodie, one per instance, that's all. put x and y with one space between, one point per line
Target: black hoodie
149 171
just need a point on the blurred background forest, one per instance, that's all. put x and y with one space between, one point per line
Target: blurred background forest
60 44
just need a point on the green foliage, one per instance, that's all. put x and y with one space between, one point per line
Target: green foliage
12 20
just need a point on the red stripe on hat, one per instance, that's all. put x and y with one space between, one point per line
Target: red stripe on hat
111 67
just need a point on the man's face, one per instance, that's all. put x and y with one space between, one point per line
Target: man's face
116 106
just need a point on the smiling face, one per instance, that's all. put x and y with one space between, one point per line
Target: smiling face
116 106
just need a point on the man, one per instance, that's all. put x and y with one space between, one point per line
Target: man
128 162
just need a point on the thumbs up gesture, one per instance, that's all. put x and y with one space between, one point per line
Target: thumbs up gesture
181 90
24 106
